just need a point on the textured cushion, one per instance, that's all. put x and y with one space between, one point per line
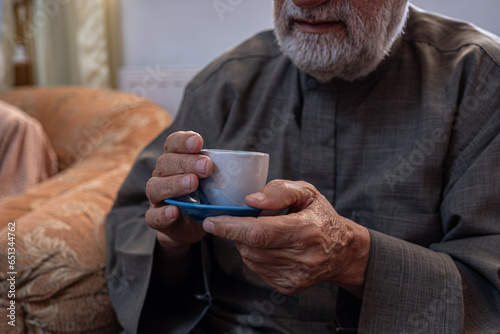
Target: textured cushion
59 223
27 156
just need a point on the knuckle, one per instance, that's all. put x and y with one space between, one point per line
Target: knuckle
307 187
311 262
278 186
168 142
174 163
176 142
172 141
161 164
179 164
277 183
171 164
158 189
183 163
151 188
154 220
257 238
291 185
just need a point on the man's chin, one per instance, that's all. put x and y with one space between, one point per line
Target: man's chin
346 72
342 69
345 62
307 52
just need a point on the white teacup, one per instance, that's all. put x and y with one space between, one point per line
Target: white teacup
236 174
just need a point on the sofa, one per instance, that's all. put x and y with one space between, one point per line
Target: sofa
52 264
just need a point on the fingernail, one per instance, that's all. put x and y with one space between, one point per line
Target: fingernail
201 166
209 227
186 182
169 212
191 143
259 197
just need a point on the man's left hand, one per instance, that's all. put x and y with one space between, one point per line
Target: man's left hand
293 252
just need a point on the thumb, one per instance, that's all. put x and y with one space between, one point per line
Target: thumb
281 194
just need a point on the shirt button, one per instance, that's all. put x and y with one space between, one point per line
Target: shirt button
311 84
201 295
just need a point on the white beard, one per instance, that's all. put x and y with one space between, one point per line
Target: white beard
352 54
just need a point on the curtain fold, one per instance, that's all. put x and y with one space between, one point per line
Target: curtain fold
71 41
8 41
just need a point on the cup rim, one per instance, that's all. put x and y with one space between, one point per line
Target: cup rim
239 152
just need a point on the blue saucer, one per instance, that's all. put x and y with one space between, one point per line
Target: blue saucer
201 211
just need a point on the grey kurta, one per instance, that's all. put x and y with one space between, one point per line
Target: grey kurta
412 152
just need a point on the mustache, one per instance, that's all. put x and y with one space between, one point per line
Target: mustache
330 12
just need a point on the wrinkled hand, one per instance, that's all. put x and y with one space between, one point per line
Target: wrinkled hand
176 174
293 252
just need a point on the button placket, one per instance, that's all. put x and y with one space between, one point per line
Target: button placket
317 142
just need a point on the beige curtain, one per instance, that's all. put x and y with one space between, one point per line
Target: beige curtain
73 42
8 43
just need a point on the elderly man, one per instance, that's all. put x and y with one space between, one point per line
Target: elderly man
383 127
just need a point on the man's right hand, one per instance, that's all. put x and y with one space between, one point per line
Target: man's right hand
176 174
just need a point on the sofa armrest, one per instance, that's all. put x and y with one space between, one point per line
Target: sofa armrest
60 250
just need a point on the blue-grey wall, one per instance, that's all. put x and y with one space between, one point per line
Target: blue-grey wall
483 13
188 32
193 32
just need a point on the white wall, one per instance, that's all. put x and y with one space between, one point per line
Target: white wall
193 32
165 42
188 32
166 35
483 13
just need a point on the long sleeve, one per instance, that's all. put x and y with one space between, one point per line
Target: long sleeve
131 244
209 101
411 152
453 285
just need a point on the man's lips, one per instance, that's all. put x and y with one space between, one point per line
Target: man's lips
316 27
